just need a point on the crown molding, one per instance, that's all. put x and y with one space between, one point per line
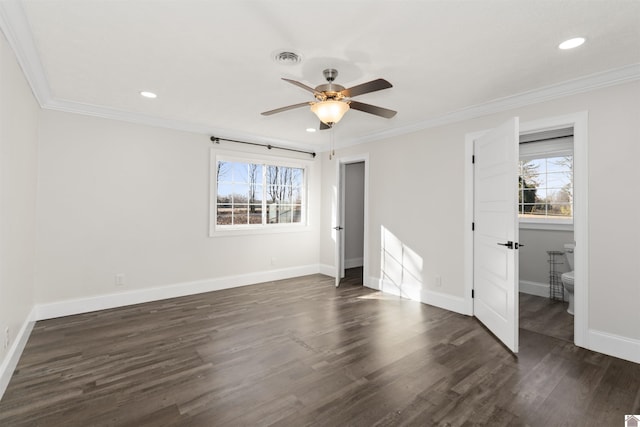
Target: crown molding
572 87
583 84
15 26
17 30
155 121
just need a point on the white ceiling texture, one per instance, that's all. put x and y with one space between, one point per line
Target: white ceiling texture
212 64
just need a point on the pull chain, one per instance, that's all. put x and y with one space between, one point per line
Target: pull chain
332 146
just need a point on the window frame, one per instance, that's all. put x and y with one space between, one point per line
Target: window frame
549 151
216 230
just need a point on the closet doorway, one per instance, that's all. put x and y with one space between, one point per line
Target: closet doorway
351 207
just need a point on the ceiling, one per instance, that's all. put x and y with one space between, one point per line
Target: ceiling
211 62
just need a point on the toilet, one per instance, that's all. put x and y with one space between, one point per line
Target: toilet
567 278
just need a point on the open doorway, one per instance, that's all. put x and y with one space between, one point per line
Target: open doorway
580 250
351 220
474 261
354 180
545 216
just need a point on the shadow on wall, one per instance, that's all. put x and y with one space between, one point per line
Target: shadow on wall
400 267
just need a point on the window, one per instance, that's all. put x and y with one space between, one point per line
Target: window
252 194
545 182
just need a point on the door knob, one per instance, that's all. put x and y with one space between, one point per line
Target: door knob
509 244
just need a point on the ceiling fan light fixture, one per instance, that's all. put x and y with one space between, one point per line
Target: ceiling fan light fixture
330 112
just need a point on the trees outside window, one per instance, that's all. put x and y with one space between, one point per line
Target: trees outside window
545 188
258 194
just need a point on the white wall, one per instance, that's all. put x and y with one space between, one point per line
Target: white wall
354 215
120 198
426 168
407 200
533 258
18 183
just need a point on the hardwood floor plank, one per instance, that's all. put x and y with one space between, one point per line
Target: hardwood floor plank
300 352
544 316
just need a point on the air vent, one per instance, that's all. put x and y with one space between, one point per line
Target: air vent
287 58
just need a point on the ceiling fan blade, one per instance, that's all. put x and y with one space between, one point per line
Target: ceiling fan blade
372 109
301 85
363 88
324 126
289 107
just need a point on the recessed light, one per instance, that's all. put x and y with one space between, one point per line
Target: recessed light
311 130
571 43
148 94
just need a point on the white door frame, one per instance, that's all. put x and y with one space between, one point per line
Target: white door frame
579 122
341 164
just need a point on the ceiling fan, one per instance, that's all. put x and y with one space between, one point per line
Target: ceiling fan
333 100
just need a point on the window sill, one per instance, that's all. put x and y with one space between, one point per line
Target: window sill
274 229
551 226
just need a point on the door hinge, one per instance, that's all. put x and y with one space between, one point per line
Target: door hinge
473 159
473 226
472 294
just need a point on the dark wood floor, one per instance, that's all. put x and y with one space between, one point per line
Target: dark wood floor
547 317
301 352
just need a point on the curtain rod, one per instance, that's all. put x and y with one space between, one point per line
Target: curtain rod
217 140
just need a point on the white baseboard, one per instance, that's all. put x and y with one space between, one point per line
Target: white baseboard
102 302
353 262
446 301
416 293
614 345
328 270
372 283
610 344
13 356
534 288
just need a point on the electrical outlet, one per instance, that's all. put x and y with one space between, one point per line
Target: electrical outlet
6 340
119 279
438 281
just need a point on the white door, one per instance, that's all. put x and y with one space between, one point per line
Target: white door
495 260
338 228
